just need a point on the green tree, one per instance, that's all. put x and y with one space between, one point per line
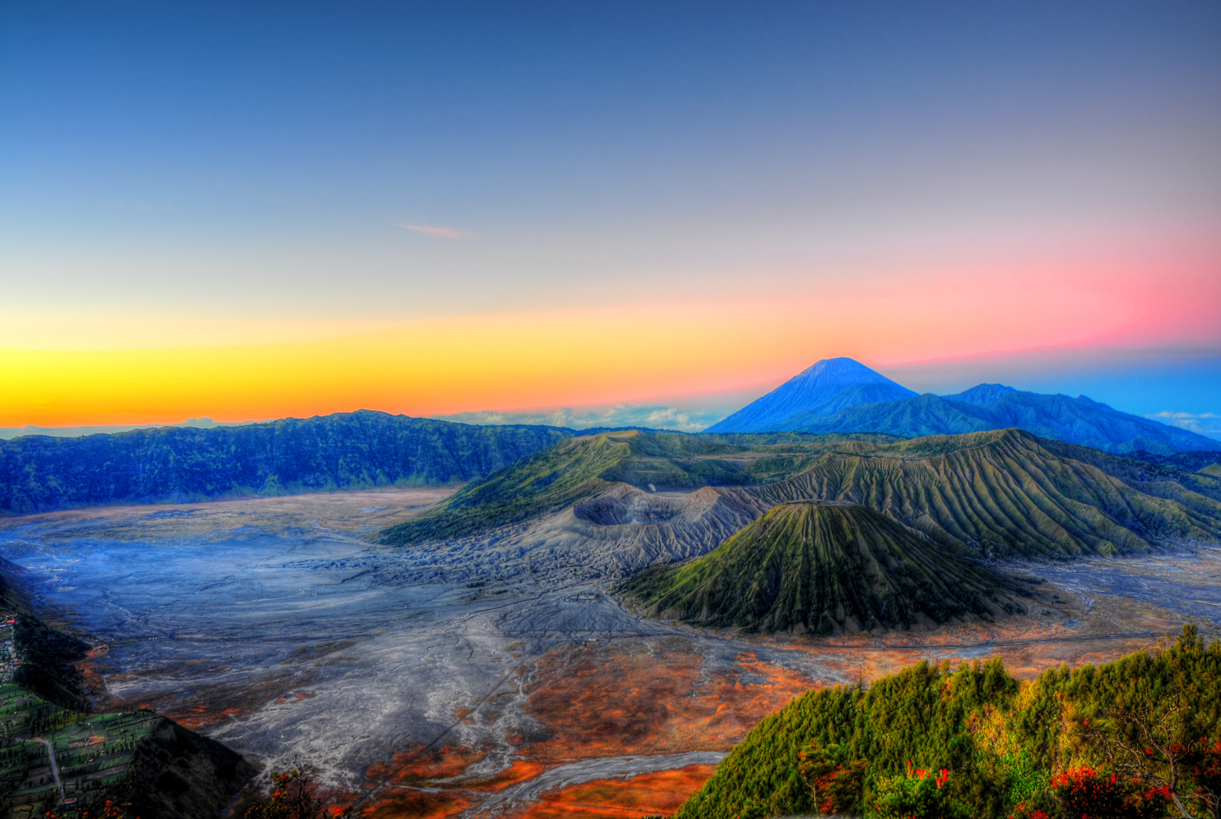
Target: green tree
836 781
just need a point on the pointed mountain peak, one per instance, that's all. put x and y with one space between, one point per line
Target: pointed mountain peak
825 388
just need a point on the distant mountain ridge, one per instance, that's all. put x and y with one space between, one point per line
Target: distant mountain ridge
343 451
840 395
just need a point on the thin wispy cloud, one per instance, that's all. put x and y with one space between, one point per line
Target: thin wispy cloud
1205 423
438 232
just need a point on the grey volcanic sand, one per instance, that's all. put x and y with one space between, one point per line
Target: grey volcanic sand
324 645
327 646
1185 582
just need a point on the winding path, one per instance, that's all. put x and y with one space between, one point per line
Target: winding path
59 786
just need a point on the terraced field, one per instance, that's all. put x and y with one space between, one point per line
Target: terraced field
92 751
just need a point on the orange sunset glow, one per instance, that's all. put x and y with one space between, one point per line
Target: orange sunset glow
586 356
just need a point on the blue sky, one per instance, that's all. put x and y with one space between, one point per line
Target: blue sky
223 174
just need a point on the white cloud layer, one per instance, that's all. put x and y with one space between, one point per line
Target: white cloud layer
621 415
1206 423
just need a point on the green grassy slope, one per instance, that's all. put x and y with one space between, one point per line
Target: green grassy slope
544 482
1006 493
999 738
999 493
825 568
580 468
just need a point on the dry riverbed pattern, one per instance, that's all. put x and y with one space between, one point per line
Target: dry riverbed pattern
444 682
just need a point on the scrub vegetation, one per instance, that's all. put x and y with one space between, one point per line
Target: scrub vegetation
1138 737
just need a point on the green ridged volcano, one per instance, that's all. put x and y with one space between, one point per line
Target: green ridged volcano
826 568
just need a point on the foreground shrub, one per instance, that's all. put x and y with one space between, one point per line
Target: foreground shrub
1086 793
918 795
1026 750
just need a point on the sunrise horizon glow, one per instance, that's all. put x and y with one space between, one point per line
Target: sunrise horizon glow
247 212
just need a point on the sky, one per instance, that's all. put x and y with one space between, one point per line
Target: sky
601 211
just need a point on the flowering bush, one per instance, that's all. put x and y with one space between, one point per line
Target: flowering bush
110 810
1086 793
919 795
1024 811
1202 764
293 796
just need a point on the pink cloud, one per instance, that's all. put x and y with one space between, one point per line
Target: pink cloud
439 232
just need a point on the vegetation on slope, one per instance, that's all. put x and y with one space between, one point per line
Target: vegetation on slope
1137 737
142 763
138 763
48 663
541 483
991 494
343 451
1007 493
584 467
825 568
1196 461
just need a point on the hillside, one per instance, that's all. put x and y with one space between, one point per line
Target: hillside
824 389
344 451
1196 461
133 756
826 568
590 465
1007 493
994 741
992 494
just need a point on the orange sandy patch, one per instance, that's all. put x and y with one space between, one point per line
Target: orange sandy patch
420 767
519 771
417 805
652 697
660 792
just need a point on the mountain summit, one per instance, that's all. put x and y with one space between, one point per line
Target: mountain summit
830 386
840 395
